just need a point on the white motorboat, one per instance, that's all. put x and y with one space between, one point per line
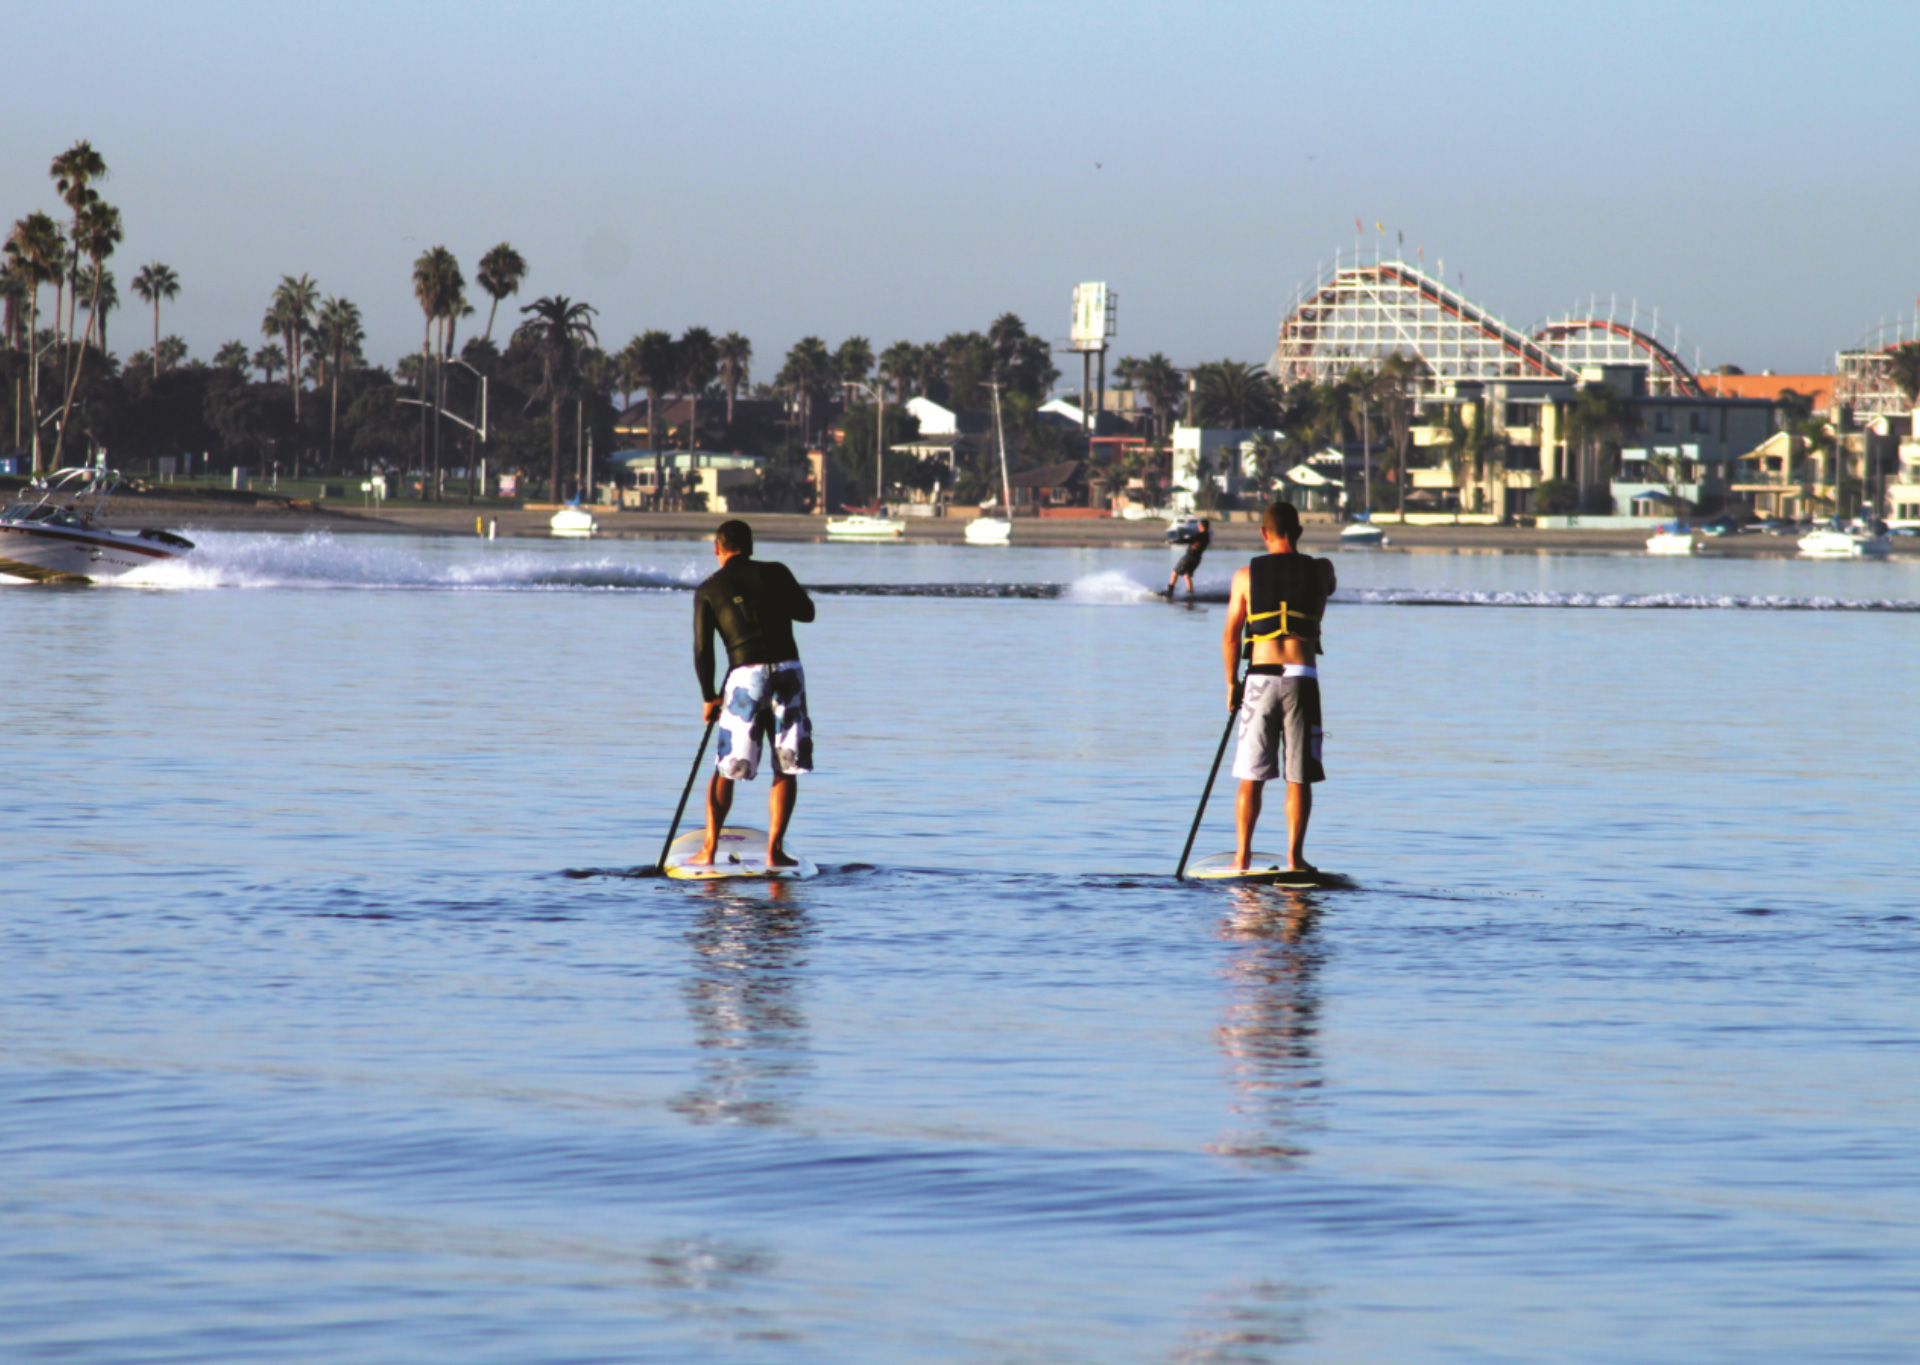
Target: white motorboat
865 527
989 531
1670 540
58 538
1829 542
1362 535
573 522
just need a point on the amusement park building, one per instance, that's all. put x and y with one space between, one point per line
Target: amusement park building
1470 362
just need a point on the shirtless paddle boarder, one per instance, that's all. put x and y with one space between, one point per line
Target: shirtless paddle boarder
1278 599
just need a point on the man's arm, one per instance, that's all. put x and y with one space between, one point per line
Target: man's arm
1327 580
799 605
703 629
1230 637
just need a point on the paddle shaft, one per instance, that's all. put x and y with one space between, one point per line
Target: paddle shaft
1232 712
686 791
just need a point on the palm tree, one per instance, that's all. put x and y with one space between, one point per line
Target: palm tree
36 253
898 364
74 172
555 327
269 360
1162 382
104 291
500 273
340 334
809 373
649 362
736 357
1392 390
699 357
1471 445
1599 415
232 356
1903 367
96 232
1236 396
173 352
293 302
154 283
440 290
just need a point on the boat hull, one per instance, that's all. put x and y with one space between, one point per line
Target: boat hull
54 554
1841 545
1670 543
989 531
866 528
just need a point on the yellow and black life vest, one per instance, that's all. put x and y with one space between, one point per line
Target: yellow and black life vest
1284 598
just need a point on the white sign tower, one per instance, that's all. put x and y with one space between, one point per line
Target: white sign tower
1094 310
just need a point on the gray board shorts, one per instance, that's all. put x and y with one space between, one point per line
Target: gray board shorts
1279 730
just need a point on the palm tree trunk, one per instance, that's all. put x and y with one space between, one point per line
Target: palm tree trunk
73 383
553 419
333 424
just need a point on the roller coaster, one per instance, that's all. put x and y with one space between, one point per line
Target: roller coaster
1357 313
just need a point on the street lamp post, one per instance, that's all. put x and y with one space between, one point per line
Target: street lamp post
473 484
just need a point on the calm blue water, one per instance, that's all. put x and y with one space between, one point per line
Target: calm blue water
309 1050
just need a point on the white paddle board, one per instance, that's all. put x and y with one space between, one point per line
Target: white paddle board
741 852
1262 869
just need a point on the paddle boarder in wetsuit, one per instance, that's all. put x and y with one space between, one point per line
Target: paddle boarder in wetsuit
1190 560
1278 600
752 605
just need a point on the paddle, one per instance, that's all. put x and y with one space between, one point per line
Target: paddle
699 756
1180 872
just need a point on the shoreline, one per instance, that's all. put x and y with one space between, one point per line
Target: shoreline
514 523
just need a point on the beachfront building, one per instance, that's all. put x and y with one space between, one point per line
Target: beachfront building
1470 371
693 480
949 435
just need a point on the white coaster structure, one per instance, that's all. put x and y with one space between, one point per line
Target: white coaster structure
1358 312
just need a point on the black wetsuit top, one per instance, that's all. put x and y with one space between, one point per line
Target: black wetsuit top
1191 559
753 604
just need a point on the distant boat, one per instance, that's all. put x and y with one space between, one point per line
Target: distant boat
573 522
984 530
865 527
1670 540
1829 542
1362 535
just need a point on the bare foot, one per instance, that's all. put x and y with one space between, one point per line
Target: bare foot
1302 866
778 858
705 859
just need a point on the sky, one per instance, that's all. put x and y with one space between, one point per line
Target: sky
905 170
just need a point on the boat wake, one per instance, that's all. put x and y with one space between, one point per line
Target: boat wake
226 559
322 561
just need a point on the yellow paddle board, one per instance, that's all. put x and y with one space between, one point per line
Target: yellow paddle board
742 852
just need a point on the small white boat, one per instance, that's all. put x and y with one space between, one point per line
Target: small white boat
1829 542
864 527
1362 535
574 522
1670 540
989 531
59 539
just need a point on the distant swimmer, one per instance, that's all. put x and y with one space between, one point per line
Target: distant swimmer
753 605
1279 600
1191 559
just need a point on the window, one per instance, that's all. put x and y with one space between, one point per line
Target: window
1697 422
1523 414
1662 420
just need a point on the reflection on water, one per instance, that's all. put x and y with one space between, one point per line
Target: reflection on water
1248 1326
749 952
1272 1020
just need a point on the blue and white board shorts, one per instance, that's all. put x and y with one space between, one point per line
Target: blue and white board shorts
764 697
1280 727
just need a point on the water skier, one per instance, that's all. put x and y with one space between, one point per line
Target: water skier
1190 560
753 604
1278 600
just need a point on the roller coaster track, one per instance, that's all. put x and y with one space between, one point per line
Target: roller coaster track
1398 291
1670 366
